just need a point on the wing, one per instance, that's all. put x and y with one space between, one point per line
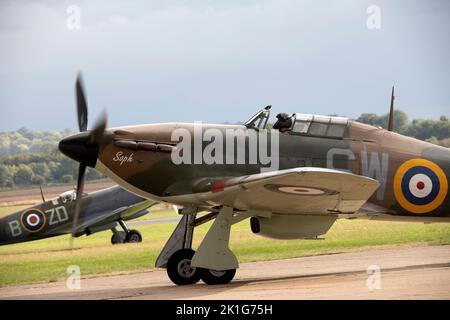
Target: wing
125 213
299 190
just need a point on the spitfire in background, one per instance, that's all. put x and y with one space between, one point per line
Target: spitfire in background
326 168
100 210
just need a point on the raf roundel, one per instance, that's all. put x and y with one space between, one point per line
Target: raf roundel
300 190
420 186
33 220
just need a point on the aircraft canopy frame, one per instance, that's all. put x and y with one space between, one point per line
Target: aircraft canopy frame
319 126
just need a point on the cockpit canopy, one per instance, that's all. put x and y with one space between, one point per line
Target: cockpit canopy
301 124
311 125
319 126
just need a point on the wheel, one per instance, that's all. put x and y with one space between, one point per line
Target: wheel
179 268
133 236
216 277
118 237
254 225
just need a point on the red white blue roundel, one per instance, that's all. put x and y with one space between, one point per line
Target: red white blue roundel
299 190
420 186
33 220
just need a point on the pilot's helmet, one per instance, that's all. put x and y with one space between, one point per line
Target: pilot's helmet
67 197
284 121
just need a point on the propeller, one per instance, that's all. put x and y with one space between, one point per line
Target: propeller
82 110
83 147
80 187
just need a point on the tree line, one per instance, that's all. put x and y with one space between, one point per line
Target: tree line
24 141
434 131
32 158
40 169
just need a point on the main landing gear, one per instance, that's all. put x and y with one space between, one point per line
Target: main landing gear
125 236
213 262
179 268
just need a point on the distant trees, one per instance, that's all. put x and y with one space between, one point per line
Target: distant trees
434 131
6 177
425 129
400 120
24 141
67 178
40 169
32 158
23 175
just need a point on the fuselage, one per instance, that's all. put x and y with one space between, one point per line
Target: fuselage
145 160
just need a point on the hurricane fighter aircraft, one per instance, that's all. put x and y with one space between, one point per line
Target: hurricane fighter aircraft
99 211
292 180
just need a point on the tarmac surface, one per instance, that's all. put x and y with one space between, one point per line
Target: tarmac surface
395 273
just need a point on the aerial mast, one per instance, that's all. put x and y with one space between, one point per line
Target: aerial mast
391 112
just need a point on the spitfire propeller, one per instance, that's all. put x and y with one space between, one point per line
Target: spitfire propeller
84 146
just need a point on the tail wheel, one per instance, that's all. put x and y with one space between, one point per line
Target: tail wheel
212 277
133 236
179 268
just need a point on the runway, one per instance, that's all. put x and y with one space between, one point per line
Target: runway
405 273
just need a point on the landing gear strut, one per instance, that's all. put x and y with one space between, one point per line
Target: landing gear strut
213 262
125 236
177 254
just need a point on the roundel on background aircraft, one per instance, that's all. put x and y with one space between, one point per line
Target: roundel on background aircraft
420 186
33 220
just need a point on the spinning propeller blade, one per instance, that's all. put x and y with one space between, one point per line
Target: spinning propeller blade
83 147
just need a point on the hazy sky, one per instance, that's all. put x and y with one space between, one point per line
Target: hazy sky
158 61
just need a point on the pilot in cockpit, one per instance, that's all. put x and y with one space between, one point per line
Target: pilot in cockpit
68 196
284 122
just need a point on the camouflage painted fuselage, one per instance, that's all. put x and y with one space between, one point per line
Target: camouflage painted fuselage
139 159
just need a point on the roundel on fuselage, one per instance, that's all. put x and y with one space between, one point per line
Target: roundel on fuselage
33 220
420 186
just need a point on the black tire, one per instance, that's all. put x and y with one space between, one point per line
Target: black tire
254 225
212 277
118 237
179 268
133 236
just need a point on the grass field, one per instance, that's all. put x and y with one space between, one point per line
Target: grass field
47 260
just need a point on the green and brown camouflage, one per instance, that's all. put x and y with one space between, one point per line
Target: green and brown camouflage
413 174
292 180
